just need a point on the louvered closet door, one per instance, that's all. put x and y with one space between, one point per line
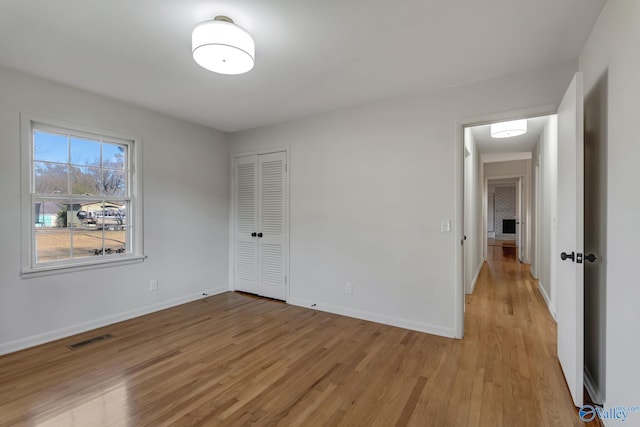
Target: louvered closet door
245 247
272 223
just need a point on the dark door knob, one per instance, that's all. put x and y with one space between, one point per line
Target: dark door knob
566 256
259 234
590 258
254 234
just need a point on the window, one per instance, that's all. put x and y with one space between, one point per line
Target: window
81 197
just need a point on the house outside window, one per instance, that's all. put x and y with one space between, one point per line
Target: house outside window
81 196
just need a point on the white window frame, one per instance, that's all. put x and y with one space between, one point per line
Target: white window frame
29 122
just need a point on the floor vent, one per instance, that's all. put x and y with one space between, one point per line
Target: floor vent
89 341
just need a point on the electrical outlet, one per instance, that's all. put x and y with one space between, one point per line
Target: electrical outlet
348 288
153 285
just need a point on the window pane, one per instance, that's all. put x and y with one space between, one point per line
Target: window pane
85 152
114 156
113 216
52 244
114 182
85 180
86 242
50 147
115 239
88 214
116 229
50 213
50 178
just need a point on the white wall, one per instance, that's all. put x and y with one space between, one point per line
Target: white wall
510 168
546 155
186 182
369 187
613 49
473 227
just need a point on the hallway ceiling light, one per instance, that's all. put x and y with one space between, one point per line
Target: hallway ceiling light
222 47
509 129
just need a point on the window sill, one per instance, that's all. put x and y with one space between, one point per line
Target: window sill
28 273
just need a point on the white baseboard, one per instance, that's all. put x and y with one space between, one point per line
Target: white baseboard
547 300
592 388
374 317
57 334
475 278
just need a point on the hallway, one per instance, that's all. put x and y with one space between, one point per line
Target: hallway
510 349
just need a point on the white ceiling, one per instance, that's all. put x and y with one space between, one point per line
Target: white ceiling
513 147
311 56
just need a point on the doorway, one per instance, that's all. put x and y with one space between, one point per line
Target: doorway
514 160
559 152
499 201
504 206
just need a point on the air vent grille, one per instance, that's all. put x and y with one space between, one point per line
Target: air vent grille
89 341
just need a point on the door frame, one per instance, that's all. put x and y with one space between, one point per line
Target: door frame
460 124
287 150
466 249
535 247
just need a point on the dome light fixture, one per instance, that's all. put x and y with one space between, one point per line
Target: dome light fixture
222 47
509 129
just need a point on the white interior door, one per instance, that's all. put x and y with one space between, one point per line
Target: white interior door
260 225
272 230
245 245
569 238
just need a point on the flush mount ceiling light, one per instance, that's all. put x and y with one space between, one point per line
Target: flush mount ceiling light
509 129
222 47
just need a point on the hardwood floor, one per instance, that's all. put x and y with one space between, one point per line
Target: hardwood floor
234 359
497 242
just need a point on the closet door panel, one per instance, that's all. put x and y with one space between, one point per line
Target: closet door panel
245 224
272 224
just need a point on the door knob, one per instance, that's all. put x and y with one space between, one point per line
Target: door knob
566 256
254 234
590 258
259 234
